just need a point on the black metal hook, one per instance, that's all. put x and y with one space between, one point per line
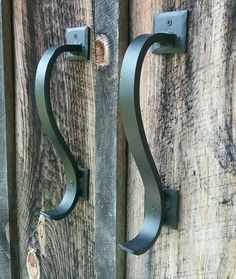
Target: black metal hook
166 39
76 177
161 206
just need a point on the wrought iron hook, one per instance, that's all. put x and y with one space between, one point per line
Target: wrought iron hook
76 177
161 206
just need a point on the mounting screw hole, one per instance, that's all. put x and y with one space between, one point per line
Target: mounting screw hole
154 207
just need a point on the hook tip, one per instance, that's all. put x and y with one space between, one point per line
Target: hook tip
126 248
51 215
134 247
45 214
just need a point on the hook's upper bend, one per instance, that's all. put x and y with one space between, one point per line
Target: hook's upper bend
76 177
156 199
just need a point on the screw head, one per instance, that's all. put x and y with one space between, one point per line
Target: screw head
76 36
169 22
154 207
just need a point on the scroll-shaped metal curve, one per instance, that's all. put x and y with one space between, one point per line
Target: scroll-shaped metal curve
161 205
76 177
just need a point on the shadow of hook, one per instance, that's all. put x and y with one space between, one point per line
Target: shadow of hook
161 206
76 177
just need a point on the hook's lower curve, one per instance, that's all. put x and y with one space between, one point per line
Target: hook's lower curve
76 177
157 200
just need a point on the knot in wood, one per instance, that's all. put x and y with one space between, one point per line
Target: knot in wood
102 50
32 264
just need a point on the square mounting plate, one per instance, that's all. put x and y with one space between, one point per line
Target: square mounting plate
171 22
171 197
78 35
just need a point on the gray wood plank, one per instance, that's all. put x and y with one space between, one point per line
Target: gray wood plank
8 238
111 39
188 104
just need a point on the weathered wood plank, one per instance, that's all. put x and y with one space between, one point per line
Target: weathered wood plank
8 241
49 249
189 116
111 39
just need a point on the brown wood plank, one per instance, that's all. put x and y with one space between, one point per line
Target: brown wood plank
50 249
85 106
111 39
188 107
8 240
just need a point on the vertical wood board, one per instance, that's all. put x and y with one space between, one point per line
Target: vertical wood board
47 248
188 109
8 238
111 38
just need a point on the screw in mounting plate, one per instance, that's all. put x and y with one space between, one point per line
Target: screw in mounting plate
78 35
169 22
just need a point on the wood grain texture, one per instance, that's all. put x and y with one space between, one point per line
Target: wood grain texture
50 249
8 240
189 113
111 39
85 97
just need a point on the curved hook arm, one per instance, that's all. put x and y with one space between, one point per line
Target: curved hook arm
157 200
76 177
